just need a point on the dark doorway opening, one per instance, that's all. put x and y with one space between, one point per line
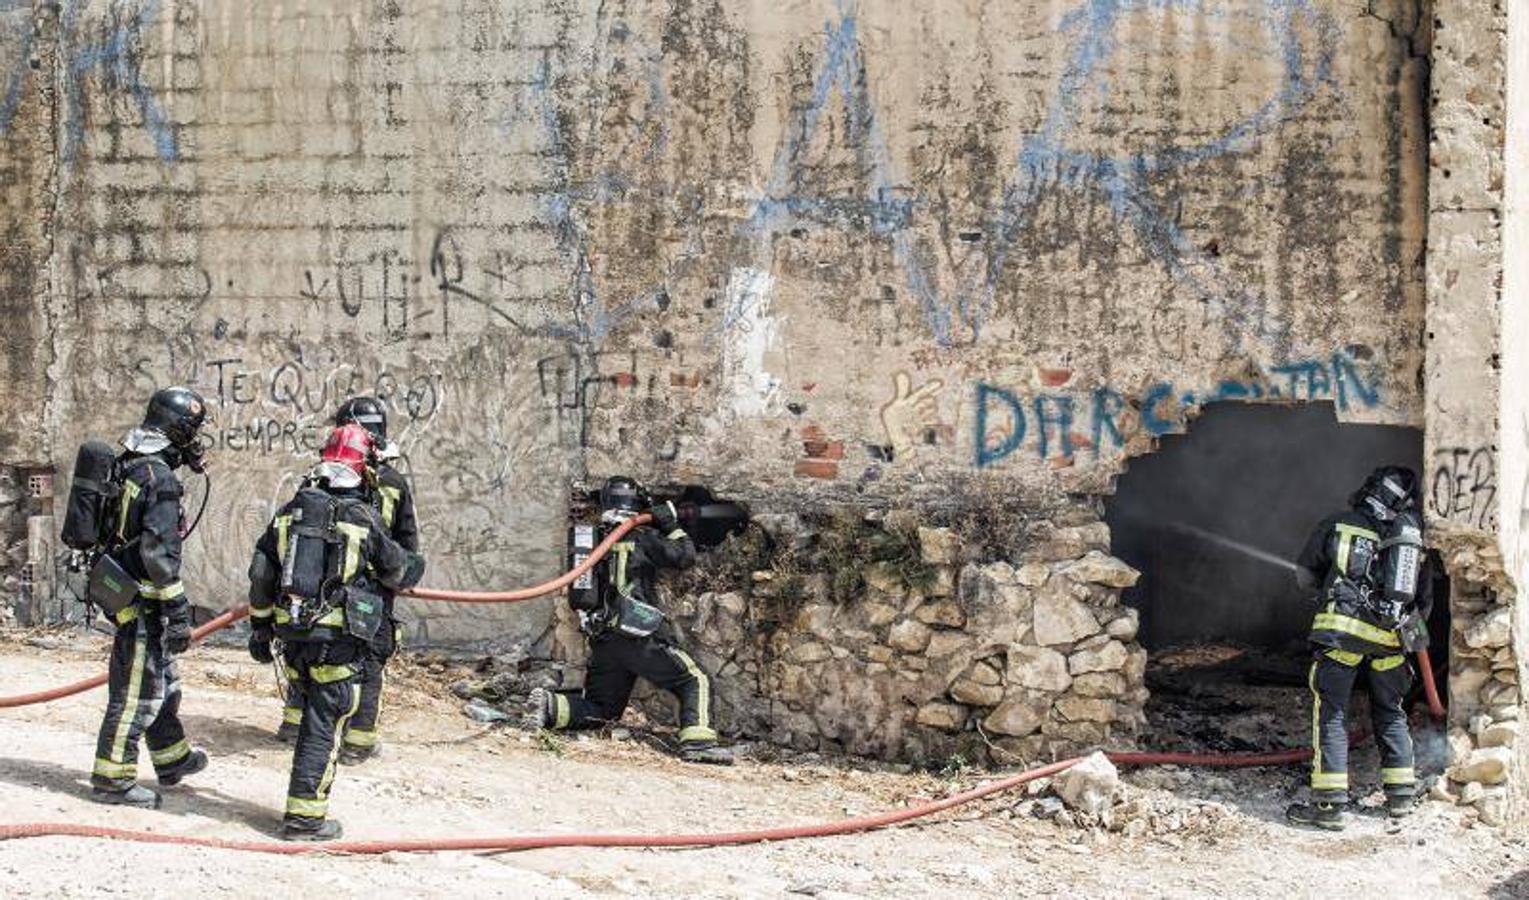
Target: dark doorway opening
1214 521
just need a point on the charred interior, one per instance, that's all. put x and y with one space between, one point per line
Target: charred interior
1214 521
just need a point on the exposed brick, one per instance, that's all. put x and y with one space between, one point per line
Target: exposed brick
817 468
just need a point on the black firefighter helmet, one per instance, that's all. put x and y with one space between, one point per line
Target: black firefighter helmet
177 413
622 494
368 412
1389 490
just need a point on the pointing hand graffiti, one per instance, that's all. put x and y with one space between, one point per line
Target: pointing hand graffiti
912 416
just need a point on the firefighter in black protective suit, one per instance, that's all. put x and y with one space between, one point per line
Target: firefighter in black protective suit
316 582
629 637
143 687
1375 600
391 495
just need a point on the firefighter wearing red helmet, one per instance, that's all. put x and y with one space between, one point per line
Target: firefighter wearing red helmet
394 499
317 582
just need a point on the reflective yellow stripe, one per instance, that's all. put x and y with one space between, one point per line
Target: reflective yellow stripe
361 737
1345 657
312 809
134 689
292 715
355 538
1329 781
262 612
329 674
162 592
171 754
1330 621
1343 547
292 673
334 751
1316 722
1356 531
108 769
1398 776
562 711
127 614
130 492
703 699
1386 663
282 524
623 550
335 618
677 534
390 499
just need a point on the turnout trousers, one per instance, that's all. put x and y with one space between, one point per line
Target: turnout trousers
327 674
615 663
362 732
1332 681
143 702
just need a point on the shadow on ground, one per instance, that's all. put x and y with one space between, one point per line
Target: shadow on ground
184 799
221 737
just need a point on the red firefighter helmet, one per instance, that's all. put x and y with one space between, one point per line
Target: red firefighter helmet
351 446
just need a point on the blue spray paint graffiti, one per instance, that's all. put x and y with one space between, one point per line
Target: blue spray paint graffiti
114 57
1045 162
1004 418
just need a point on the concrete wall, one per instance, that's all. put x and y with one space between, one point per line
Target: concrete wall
823 250
1513 409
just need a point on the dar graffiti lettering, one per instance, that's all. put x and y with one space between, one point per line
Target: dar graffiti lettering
1058 424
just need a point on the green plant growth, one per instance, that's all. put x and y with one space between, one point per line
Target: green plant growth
847 546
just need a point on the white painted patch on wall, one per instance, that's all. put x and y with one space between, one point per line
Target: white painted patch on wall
748 333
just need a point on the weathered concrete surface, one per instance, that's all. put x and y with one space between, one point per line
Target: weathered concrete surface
818 250
1513 410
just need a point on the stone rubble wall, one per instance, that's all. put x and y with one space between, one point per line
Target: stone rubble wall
992 662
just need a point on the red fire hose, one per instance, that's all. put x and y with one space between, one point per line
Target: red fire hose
533 842
537 590
79 687
544 841
238 612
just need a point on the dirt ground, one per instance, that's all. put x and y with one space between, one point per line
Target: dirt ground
442 774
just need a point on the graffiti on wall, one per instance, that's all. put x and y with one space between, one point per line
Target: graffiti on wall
1047 160
911 418
109 52
1058 424
1463 485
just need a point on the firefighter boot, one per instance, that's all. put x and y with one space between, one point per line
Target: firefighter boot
194 762
352 755
137 795
1399 806
705 752
538 713
301 829
1317 814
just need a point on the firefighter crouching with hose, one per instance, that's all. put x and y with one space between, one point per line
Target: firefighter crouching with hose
317 582
125 517
628 635
1376 597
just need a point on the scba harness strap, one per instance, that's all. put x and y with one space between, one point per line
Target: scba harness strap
320 556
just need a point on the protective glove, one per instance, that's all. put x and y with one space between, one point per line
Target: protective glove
177 628
196 458
260 645
665 517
